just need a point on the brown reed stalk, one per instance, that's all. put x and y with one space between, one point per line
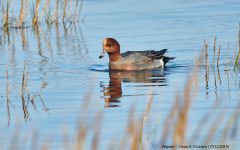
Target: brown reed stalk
80 10
70 9
21 10
22 94
75 14
48 15
25 85
7 13
218 55
206 55
12 10
57 7
43 86
35 22
147 111
4 21
7 84
214 51
54 14
64 10
45 6
34 97
5 16
23 13
228 53
28 95
8 94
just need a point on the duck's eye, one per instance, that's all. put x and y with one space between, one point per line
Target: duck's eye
109 45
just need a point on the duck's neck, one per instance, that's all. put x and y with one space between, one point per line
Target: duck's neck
114 56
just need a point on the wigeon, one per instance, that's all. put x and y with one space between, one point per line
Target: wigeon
132 60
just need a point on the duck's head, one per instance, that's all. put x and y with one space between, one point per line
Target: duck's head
110 46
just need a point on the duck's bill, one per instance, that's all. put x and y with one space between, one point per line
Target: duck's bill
103 54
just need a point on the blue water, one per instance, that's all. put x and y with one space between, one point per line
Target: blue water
68 58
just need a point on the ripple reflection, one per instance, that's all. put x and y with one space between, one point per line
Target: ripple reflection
113 91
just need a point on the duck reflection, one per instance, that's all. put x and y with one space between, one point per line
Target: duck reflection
113 92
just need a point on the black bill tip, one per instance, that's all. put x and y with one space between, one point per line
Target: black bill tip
100 57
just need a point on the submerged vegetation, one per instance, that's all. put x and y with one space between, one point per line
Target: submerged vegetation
64 11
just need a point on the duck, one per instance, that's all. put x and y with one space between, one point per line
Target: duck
132 60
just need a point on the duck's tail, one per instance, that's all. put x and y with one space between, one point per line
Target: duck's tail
167 59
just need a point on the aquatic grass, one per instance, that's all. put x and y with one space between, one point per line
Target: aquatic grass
226 67
23 11
236 60
75 14
35 19
64 8
55 14
23 79
4 17
8 93
68 14
32 10
214 47
43 11
33 97
206 55
234 55
79 12
218 55
201 63
5 14
48 13
43 86
7 85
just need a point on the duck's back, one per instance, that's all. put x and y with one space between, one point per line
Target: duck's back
140 60
146 59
